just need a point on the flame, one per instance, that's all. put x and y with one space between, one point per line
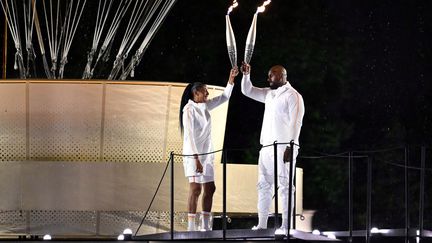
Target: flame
261 8
234 5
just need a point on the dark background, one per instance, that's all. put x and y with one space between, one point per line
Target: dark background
363 68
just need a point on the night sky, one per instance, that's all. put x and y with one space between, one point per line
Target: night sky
363 68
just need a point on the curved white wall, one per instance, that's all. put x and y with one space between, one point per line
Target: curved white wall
93 146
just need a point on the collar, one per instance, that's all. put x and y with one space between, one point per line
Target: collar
282 89
194 104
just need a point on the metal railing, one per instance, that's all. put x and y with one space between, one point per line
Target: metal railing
350 156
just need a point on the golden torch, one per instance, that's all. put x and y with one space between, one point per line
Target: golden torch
230 38
250 40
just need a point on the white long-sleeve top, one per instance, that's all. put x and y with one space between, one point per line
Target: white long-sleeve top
283 114
197 131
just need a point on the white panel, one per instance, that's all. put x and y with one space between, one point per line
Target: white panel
175 140
12 122
10 186
135 123
65 122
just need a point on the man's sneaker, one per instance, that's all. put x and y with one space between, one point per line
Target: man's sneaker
281 231
256 227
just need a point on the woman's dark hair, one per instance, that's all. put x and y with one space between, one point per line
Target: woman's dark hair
187 95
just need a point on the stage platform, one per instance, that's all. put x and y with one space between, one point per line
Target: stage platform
382 236
236 235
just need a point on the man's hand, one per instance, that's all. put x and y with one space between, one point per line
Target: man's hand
198 165
245 68
287 155
234 72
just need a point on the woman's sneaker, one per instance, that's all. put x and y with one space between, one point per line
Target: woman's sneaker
281 231
256 227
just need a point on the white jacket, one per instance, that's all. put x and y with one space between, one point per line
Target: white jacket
283 115
197 131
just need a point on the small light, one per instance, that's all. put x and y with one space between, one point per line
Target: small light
47 237
329 234
375 230
127 231
316 232
418 232
120 237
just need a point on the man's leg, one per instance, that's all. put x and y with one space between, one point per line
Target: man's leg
283 181
264 188
283 193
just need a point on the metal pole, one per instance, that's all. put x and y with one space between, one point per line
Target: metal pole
224 223
350 196
290 189
294 200
172 195
276 213
406 195
369 198
422 189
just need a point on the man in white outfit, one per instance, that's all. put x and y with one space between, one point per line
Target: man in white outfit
283 115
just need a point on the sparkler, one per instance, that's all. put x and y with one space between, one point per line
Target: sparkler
250 41
230 38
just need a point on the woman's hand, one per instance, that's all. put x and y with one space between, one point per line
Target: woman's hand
233 73
198 165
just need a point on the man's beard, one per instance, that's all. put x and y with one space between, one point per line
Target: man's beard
274 86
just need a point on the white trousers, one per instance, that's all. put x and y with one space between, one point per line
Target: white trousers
265 185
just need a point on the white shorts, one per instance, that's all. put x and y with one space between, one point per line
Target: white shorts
200 178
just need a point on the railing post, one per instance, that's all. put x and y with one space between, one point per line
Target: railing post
291 215
422 189
276 176
350 196
224 220
406 196
369 198
172 195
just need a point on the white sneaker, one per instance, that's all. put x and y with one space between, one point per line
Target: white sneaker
256 227
281 231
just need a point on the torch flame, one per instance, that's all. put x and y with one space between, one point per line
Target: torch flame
261 8
234 5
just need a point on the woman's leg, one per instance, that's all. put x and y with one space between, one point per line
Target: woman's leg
194 193
207 202
207 199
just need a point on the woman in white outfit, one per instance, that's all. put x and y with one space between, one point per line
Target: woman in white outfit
195 123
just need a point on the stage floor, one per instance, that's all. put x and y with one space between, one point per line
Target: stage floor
235 234
246 235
